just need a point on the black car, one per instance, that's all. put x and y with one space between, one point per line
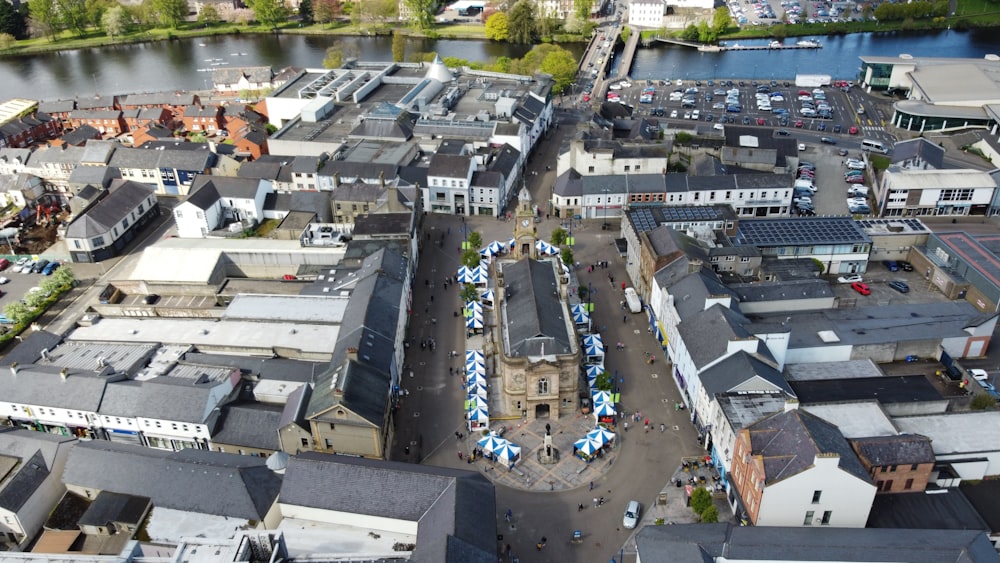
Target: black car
39 266
836 128
828 140
899 286
905 266
782 133
746 120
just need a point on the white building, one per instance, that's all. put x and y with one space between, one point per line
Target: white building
216 200
30 482
646 13
961 441
795 469
448 180
911 192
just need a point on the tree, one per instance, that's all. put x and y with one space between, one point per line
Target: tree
603 381
690 33
7 41
209 15
521 23
45 15
171 12
581 9
471 257
700 500
95 10
567 257
720 20
269 13
710 515
73 14
562 66
17 312
496 28
328 10
626 32
334 57
12 21
558 236
421 13
114 21
982 401
475 240
469 293
306 12
398 46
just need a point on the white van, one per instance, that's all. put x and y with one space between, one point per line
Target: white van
804 184
873 146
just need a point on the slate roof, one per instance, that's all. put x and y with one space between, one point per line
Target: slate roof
985 497
358 191
704 543
280 369
98 152
945 509
447 504
203 194
788 442
30 349
709 332
43 385
57 106
534 313
486 179
903 449
918 148
67 156
160 99
80 135
569 183
254 74
274 170
96 102
91 175
782 291
229 187
197 160
202 111
505 160
449 166
115 507
253 425
886 389
33 454
183 401
189 480
95 114
413 175
99 219
742 371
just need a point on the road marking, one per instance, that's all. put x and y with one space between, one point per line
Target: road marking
654 376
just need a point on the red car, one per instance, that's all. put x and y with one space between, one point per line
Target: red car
288 277
4 264
760 121
861 288
798 124
855 179
853 130
586 97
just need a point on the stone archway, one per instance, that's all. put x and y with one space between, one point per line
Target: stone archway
542 410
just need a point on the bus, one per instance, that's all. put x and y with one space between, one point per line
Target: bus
873 146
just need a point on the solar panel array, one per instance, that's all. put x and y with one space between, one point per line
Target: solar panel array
911 224
645 219
781 232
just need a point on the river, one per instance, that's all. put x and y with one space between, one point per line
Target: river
167 65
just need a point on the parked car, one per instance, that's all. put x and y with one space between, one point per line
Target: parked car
979 374
899 286
892 265
905 266
631 519
50 268
850 278
4 264
861 288
853 130
828 140
39 266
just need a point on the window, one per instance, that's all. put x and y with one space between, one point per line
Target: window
816 495
140 209
908 485
827 514
329 443
76 243
305 442
892 468
178 214
914 467
543 386
808 520
628 168
125 223
590 169
97 241
333 426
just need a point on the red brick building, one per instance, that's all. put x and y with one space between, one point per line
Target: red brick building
897 464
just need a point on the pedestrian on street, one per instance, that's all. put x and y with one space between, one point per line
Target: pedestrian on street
580 508
626 426
625 319
595 502
591 485
662 428
460 454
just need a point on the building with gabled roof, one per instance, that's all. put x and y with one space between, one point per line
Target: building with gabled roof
169 170
898 464
444 515
190 480
31 464
104 228
795 469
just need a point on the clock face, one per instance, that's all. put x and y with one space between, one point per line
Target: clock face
525 222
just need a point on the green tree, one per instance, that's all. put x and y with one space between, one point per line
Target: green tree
306 12
700 500
469 293
710 515
171 12
73 14
581 10
45 15
567 257
562 66
65 276
7 41
690 33
328 10
720 20
17 312
421 13
114 21
603 381
12 21
95 10
705 33
269 13
982 401
398 46
558 236
476 240
496 28
209 15
471 258
521 23
626 32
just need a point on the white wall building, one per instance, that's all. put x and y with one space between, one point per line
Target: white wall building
646 13
910 192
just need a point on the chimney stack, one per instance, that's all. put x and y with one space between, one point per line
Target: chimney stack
352 354
64 373
13 368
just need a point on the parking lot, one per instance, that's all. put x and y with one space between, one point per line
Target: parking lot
770 12
877 278
18 285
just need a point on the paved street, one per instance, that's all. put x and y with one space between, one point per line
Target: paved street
548 504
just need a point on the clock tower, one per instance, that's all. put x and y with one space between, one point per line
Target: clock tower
525 233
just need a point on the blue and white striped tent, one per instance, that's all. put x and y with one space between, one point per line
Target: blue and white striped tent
476 402
479 275
474 356
512 242
488 299
475 379
474 322
601 436
464 275
600 397
586 446
593 345
478 389
491 442
593 370
546 248
508 453
580 317
604 409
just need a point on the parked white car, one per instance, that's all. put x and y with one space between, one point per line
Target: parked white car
850 278
855 164
979 374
